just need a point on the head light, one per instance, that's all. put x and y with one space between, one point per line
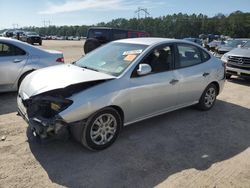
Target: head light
60 105
224 58
55 106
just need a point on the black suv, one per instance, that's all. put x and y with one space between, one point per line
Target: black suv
31 38
97 36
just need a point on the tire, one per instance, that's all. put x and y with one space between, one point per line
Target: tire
91 44
208 98
40 43
29 41
228 76
92 133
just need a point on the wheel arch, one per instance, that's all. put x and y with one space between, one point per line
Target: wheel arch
23 75
217 86
119 110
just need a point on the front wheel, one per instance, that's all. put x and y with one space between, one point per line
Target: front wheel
208 98
100 130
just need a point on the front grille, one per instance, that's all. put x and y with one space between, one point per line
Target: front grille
238 66
239 60
222 52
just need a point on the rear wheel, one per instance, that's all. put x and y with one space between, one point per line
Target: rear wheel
100 130
208 98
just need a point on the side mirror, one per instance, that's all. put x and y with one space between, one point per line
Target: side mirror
239 46
144 69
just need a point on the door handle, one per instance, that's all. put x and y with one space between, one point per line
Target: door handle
173 81
205 74
17 60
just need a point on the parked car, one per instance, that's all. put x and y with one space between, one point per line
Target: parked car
229 45
31 38
120 83
98 36
214 44
195 40
238 61
18 59
9 33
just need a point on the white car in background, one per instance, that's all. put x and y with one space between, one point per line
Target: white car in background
18 59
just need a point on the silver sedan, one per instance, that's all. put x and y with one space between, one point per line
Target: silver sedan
18 59
121 83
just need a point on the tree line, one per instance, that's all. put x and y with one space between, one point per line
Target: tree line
237 24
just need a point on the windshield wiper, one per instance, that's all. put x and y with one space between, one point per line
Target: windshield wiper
90 68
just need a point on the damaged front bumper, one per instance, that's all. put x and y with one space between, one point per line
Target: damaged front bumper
41 126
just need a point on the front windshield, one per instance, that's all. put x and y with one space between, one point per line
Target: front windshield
233 43
246 45
32 33
112 58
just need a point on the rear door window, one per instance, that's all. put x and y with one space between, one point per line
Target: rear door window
188 55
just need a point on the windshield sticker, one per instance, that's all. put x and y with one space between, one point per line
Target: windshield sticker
130 57
132 52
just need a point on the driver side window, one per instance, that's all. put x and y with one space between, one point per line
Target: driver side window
160 59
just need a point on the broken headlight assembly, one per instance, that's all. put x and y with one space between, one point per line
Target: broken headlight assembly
47 106
59 106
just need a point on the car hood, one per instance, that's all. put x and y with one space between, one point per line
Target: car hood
33 36
57 77
241 52
225 48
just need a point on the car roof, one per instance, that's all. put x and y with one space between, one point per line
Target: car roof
148 40
111 28
21 44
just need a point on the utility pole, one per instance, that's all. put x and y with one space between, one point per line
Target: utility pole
46 23
15 26
140 11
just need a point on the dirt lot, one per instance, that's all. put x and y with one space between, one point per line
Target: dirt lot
72 50
185 148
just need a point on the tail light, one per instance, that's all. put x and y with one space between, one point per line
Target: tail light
60 60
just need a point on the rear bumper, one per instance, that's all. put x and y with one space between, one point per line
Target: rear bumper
237 71
35 40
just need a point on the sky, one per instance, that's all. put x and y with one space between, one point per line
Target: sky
17 13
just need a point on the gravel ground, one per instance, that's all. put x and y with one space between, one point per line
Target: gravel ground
185 148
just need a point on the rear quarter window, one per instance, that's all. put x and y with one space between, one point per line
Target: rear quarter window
205 55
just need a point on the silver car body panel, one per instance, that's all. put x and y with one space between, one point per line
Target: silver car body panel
13 67
138 97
